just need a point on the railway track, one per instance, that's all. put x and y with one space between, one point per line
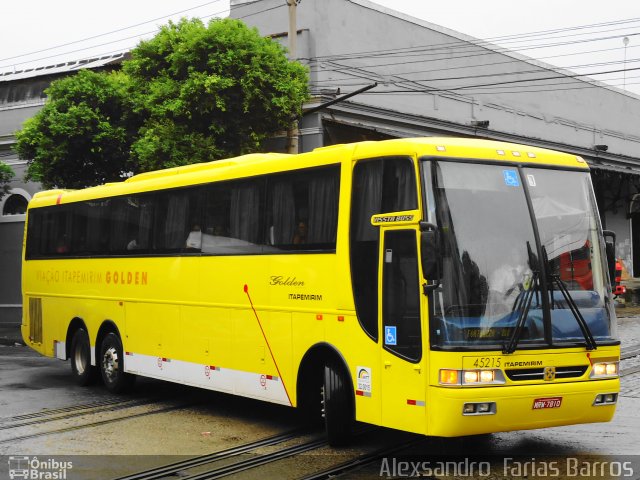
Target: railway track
630 352
44 416
234 461
359 462
626 354
212 461
84 411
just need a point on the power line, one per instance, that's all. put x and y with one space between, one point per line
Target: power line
128 38
485 64
493 52
508 82
109 33
499 74
490 42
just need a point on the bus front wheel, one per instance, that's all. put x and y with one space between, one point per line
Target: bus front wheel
337 406
112 365
83 372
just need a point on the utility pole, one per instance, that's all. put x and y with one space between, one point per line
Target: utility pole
625 42
292 134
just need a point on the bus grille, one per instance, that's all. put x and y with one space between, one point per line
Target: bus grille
35 320
524 374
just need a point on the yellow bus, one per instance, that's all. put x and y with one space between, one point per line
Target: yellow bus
439 286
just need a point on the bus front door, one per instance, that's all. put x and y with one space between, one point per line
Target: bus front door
403 368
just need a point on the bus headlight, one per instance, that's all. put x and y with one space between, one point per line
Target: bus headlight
604 370
471 377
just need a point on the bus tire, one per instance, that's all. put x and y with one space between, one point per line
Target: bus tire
338 409
83 372
112 365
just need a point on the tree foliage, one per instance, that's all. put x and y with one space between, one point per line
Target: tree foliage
193 93
208 92
82 136
6 174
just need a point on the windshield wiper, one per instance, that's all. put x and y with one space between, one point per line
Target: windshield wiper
524 304
555 278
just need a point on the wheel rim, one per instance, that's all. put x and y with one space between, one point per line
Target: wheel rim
80 360
110 365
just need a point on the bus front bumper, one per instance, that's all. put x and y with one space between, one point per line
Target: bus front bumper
520 407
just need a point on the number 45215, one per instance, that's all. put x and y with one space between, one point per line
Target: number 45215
487 362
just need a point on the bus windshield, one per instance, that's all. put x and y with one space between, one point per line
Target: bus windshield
495 273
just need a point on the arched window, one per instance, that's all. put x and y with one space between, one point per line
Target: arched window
15 204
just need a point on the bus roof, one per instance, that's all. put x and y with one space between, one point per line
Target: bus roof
261 163
472 149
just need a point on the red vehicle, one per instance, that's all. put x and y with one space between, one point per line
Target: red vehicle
617 288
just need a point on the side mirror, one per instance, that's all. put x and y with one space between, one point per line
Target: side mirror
430 255
610 249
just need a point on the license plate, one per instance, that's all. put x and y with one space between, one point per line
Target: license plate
551 402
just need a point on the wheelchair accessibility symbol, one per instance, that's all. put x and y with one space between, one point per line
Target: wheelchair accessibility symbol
511 178
390 337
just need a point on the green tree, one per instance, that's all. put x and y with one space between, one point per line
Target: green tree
83 134
209 92
6 174
193 93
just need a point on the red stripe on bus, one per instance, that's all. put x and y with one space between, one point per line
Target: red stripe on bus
246 290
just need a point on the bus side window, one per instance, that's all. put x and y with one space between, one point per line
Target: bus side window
173 213
233 217
302 209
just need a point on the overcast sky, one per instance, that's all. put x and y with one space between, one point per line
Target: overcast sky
32 28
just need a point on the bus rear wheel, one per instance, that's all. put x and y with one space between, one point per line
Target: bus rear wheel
83 372
112 365
337 406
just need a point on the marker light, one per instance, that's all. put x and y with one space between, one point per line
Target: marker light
604 370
